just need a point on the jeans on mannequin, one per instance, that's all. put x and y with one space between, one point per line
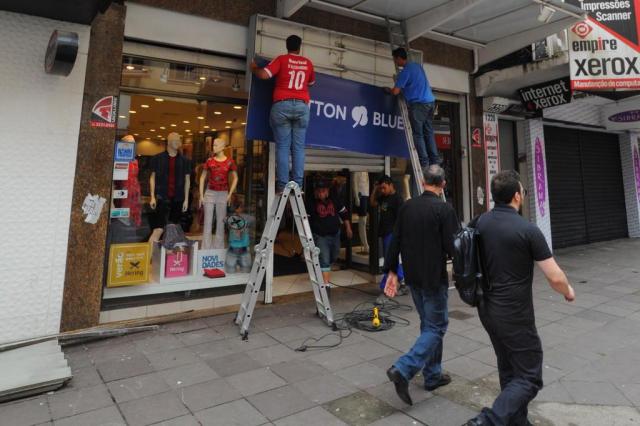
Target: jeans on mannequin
214 202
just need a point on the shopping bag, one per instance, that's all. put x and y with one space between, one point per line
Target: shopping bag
176 264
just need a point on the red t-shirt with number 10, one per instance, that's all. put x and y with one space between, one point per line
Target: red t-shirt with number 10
294 74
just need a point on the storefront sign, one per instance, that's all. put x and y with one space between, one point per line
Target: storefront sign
119 194
604 50
476 137
545 95
492 152
103 113
120 212
541 177
128 264
344 115
121 170
636 167
443 140
622 115
124 151
211 261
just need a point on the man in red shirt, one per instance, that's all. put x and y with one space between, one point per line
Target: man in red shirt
290 111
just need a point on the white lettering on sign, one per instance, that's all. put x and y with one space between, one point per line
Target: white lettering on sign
359 115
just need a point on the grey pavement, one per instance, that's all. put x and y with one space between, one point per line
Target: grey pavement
200 372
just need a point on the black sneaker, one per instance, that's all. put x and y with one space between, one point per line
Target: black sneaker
401 384
444 380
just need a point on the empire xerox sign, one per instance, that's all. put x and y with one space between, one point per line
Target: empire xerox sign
605 49
344 115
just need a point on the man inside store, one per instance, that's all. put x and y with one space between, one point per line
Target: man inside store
326 214
413 83
423 235
388 201
290 110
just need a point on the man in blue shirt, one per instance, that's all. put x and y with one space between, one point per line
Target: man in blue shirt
414 84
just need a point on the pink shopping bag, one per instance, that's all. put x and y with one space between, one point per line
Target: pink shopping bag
176 264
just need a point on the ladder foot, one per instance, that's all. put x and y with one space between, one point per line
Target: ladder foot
245 336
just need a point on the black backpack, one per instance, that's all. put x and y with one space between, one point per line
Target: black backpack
468 268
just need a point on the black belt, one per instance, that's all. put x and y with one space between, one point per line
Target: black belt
295 100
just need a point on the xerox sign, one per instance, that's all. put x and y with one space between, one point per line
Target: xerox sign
604 50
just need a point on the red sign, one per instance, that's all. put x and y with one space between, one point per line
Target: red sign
476 137
443 140
103 113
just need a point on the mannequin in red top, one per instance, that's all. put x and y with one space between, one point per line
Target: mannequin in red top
220 178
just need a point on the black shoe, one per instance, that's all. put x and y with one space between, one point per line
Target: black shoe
401 384
474 422
444 380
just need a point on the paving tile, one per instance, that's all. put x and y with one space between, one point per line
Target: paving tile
440 411
476 333
485 355
153 409
255 341
363 375
316 416
632 392
397 419
386 361
198 337
187 375
172 358
325 388
370 350
112 352
126 366
255 381
104 416
79 401
236 413
336 359
208 394
233 364
82 378
25 413
461 345
215 349
555 392
179 421
185 326
298 370
280 402
468 368
289 333
274 354
137 387
599 393
386 392
159 343
359 409
596 316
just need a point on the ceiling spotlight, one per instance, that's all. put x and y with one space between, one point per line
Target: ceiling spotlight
202 77
228 121
243 123
546 13
201 131
236 84
237 107
185 121
130 67
162 128
227 127
132 111
217 112
206 127
159 100
188 130
200 117
122 116
213 130
136 134
144 106
152 130
173 125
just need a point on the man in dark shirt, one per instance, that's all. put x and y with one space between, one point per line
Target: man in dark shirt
423 235
324 214
509 246
389 201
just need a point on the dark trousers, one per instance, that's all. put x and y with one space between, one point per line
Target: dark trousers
168 211
421 118
519 353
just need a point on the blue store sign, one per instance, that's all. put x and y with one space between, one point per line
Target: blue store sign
345 115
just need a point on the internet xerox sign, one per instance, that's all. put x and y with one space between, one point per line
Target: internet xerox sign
344 115
604 50
545 95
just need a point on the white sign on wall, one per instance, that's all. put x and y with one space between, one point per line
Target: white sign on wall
492 152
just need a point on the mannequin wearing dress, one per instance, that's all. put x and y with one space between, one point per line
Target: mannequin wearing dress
218 182
361 199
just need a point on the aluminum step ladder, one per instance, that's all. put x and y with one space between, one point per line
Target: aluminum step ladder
398 38
293 195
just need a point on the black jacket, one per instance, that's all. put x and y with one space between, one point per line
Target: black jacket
423 235
160 165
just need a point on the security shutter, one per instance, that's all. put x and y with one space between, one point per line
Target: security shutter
586 194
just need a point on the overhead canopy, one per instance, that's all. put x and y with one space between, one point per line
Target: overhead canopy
495 28
76 11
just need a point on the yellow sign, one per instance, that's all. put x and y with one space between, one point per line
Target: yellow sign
128 264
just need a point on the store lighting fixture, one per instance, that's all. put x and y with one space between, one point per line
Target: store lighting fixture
236 84
206 127
188 130
162 128
132 111
136 134
200 117
213 130
228 121
243 123
159 100
185 121
130 67
173 125
202 77
144 106
227 127
122 116
152 130
237 107
201 131
217 112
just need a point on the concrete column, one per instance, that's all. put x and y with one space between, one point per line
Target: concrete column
630 158
538 199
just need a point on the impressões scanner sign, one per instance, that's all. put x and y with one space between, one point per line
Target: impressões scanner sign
604 50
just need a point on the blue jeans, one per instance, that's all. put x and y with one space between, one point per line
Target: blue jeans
289 121
421 119
240 256
386 242
329 246
426 353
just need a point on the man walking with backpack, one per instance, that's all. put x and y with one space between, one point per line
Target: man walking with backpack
509 246
423 235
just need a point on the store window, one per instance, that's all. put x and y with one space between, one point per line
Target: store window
186 183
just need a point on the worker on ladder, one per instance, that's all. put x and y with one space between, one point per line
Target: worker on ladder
415 87
290 111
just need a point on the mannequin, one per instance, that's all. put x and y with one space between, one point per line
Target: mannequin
132 185
169 183
220 178
361 197
406 186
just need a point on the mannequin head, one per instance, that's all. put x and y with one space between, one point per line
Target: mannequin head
128 138
174 142
218 146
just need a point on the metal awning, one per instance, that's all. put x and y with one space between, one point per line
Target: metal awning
493 27
76 11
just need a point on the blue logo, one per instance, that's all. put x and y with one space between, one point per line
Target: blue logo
125 151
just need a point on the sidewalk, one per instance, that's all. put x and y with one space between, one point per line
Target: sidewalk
200 372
